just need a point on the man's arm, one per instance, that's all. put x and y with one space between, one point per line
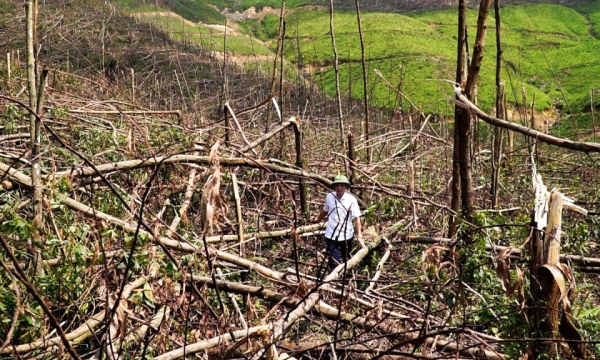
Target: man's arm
358 230
321 216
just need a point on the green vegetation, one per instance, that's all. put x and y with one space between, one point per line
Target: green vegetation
549 51
192 10
205 36
241 5
544 45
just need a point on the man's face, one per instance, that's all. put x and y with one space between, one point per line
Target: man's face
339 188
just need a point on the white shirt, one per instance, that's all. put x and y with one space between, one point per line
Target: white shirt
341 213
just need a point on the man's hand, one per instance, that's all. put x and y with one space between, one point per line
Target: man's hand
319 217
360 240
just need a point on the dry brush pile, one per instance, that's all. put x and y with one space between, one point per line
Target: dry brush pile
173 214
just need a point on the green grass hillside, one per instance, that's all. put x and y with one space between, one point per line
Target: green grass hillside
192 10
548 51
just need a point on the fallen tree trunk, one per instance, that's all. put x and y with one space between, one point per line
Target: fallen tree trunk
538 135
83 332
575 259
280 327
191 159
11 176
331 313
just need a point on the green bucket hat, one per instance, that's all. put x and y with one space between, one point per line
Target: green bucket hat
340 179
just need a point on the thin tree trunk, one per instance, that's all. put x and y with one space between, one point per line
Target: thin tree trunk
238 212
8 69
281 98
593 107
38 220
300 164
498 132
497 148
351 156
465 160
460 78
227 126
365 127
338 98
279 48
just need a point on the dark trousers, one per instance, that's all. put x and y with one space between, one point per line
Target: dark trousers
338 251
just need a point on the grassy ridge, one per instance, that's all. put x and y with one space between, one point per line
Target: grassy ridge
549 50
193 10
183 30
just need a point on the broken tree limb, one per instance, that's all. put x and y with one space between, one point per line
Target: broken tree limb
408 336
237 123
191 159
210 343
514 250
270 134
366 303
333 314
238 211
85 329
412 140
281 326
380 266
174 244
189 192
13 137
128 112
11 176
155 323
549 139
76 336
234 302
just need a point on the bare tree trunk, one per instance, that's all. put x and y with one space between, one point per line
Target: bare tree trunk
8 70
279 48
281 98
552 298
300 164
227 126
460 78
593 107
338 98
38 220
497 148
498 132
365 127
550 291
464 124
351 156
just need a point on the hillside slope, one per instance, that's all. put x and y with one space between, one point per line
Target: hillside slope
548 51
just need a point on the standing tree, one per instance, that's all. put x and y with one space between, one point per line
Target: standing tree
365 126
460 79
38 221
498 131
462 129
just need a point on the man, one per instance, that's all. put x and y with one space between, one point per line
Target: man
342 211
